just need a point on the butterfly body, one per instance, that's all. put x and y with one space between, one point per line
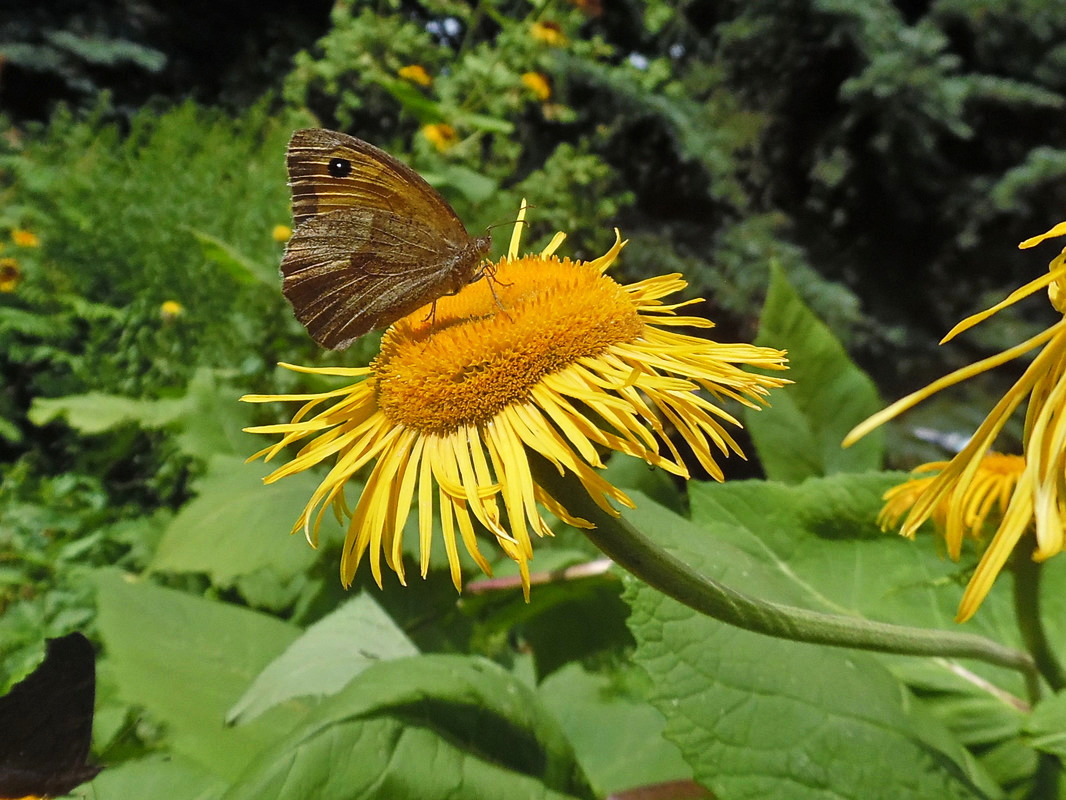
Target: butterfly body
372 241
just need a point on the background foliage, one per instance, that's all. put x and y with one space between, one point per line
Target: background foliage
887 156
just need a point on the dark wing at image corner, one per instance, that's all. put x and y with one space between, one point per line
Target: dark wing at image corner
46 723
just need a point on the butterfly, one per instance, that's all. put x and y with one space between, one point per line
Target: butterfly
46 723
371 241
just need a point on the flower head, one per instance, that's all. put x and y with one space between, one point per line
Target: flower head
550 33
538 84
10 274
441 135
1038 498
415 73
170 310
281 233
24 238
546 356
984 499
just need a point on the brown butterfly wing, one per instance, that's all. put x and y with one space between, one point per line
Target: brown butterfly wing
369 245
46 723
342 286
377 180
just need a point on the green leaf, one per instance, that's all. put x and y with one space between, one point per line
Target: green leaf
819 546
329 654
1046 727
617 734
820 549
422 108
474 186
96 412
9 431
789 719
978 720
630 472
236 526
422 727
571 620
799 436
171 777
234 263
213 419
186 660
108 52
486 123
208 416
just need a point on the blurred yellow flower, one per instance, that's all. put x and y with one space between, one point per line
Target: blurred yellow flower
545 356
24 238
170 310
10 274
538 84
442 136
281 233
984 499
550 33
1038 499
415 73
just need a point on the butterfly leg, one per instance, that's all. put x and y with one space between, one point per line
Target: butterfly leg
431 317
491 280
488 272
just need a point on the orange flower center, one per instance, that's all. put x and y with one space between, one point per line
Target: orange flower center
486 347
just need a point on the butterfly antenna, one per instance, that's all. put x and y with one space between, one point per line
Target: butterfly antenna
510 221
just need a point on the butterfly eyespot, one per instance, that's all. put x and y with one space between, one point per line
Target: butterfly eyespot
340 167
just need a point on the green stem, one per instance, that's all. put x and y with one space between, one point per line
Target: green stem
1027 574
638 554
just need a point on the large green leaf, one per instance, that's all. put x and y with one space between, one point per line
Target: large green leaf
819 546
208 416
329 654
96 412
799 435
187 660
617 734
214 418
236 526
421 727
173 778
761 717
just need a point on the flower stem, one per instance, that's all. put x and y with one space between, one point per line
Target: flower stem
1027 574
638 554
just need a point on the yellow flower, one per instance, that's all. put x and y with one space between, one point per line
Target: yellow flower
989 492
546 355
1038 498
415 73
23 238
281 233
170 310
10 275
538 84
551 33
442 136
